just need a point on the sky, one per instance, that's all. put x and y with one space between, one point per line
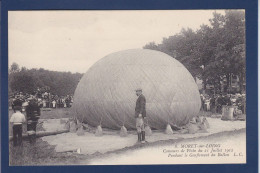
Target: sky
74 40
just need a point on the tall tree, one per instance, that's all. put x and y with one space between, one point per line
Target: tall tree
213 53
29 80
14 68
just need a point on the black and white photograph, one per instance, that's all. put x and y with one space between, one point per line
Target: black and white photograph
127 87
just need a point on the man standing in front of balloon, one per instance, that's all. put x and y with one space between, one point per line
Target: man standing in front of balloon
140 115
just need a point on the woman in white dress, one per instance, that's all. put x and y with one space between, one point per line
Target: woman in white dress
54 104
44 103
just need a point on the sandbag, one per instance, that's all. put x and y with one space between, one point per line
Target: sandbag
148 131
198 119
202 126
78 125
193 120
67 125
192 128
183 131
168 129
123 131
85 127
205 121
62 121
227 113
73 127
99 131
80 131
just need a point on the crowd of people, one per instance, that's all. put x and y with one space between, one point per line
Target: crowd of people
45 100
214 103
29 105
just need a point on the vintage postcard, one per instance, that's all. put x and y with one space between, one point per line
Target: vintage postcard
127 87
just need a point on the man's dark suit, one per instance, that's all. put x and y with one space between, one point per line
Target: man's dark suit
140 106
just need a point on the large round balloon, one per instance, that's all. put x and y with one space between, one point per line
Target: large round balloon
106 93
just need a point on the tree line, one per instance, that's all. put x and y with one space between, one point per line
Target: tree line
30 80
214 53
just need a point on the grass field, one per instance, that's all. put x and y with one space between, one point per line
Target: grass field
41 153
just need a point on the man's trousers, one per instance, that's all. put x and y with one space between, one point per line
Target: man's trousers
17 134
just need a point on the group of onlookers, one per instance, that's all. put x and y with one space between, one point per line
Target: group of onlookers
54 101
45 100
61 102
214 103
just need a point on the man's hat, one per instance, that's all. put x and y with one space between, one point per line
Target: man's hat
18 102
33 101
18 108
138 89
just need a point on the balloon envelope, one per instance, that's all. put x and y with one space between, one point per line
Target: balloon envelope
106 93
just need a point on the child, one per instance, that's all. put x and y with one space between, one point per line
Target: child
17 120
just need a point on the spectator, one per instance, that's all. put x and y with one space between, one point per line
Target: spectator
17 120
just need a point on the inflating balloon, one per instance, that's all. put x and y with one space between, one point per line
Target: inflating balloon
106 93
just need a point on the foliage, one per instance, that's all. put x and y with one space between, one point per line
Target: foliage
29 80
214 52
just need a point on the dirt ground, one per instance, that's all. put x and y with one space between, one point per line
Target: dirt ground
91 144
158 152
